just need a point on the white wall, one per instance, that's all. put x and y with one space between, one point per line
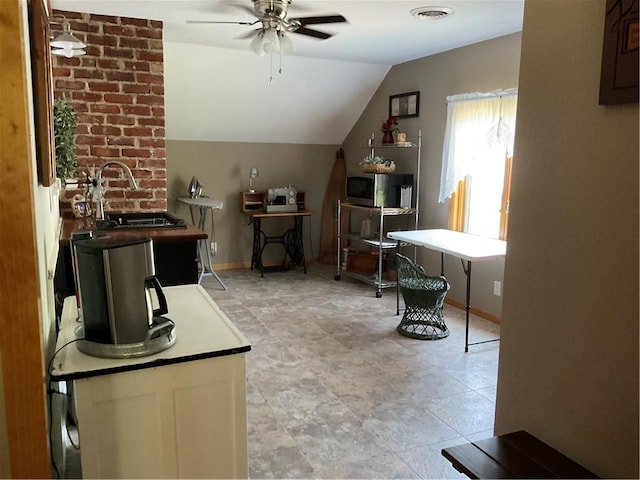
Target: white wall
568 368
216 94
483 67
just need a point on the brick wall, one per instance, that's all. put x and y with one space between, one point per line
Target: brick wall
117 89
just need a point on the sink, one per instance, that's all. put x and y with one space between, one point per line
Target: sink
140 220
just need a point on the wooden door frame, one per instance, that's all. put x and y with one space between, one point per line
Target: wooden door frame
23 376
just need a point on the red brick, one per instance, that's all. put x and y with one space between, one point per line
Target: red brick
156 44
86 96
135 88
149 78
159 132
135 43
118 52
158 111
104 108
137 132
156 24
148 205
69 85
126 31
104 87
148 121
160 194
87 73
106 130
136 109
152 183
107 63
149 56
149 99
105 152
148 33
92 51
151 142
61 72
82 129
117 98
119 76
81 107
136 66
128 141
139 173
104 19
159 153
138 22
120 120
106 40
59 61
88 62
90 140
157 89
159 173
136 152
152 163
140 194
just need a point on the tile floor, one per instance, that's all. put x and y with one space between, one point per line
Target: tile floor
335 392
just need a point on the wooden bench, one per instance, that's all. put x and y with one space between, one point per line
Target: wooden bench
514 455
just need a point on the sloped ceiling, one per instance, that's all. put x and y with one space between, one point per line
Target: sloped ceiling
217 90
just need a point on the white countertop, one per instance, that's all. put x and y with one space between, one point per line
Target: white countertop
462 245
202 331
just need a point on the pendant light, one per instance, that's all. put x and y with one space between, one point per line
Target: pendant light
66 44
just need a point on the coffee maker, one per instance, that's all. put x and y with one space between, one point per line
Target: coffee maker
118 291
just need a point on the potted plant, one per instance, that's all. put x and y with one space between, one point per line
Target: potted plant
64 126
389 126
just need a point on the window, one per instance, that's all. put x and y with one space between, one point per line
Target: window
476 161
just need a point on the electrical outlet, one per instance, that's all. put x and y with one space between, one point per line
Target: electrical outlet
214 248
497 288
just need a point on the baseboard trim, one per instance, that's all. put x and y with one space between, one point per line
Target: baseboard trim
476 311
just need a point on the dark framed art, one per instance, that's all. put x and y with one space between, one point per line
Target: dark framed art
404 105
619 74
42 91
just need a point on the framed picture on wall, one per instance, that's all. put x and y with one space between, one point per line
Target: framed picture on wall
619 74
42 91
404 105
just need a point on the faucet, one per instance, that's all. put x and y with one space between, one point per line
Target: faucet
98 188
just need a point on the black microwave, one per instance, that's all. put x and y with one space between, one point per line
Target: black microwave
392 190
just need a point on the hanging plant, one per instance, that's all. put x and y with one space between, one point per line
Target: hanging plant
64 127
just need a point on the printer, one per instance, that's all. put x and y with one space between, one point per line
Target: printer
282 199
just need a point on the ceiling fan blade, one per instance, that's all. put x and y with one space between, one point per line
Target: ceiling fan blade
320 19
312 33
249 34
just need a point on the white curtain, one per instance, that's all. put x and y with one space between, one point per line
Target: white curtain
480 128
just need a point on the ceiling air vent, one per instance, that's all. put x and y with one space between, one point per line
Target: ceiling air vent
432 13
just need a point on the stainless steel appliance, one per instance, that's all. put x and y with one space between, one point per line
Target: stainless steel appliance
380 190
117 292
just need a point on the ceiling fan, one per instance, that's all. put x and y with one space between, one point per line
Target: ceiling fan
270 36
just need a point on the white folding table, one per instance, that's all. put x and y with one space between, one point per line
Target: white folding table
204 204
467 247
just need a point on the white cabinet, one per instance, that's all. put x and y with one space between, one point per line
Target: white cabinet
180 413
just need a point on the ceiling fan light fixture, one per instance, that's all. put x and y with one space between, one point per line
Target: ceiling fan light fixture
270 41
432 12
286 44
256 44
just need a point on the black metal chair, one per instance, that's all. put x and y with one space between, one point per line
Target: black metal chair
424 298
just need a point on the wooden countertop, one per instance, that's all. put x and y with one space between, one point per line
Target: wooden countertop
177 234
